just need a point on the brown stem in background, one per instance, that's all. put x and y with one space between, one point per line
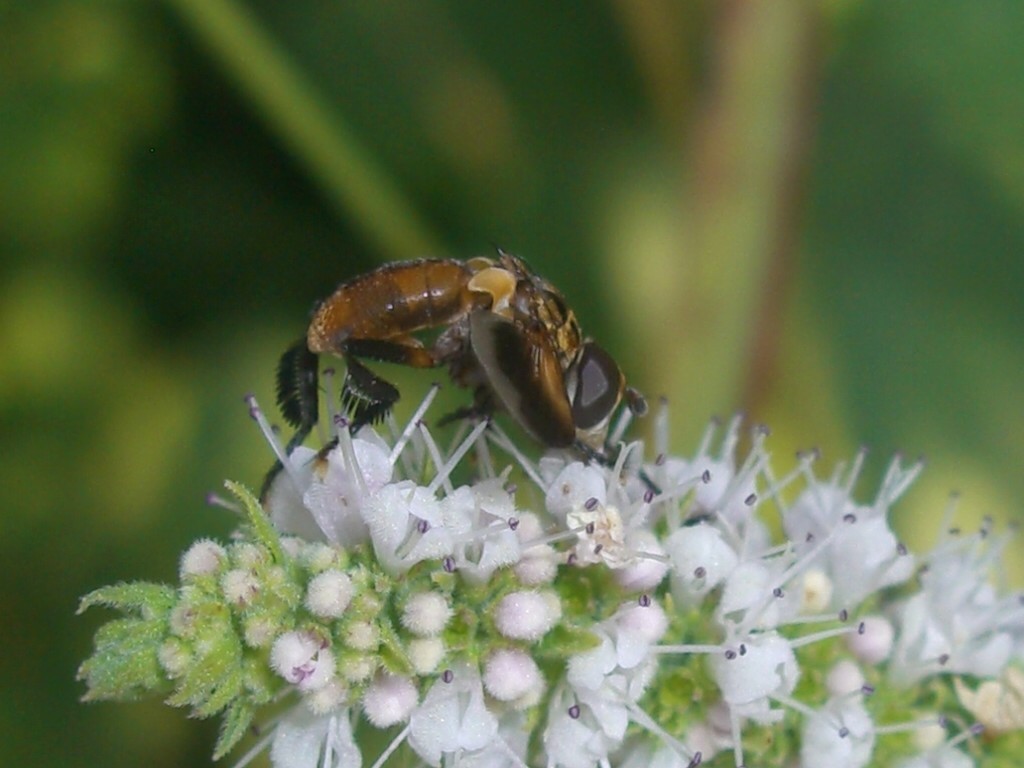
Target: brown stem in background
747 168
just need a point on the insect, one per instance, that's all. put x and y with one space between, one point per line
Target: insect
504 331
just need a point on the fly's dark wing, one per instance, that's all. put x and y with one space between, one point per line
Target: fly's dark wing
523 372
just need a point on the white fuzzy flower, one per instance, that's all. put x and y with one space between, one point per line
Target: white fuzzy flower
303 660
874 644
388 700
527 615
511 675
426 613
329 594
203 558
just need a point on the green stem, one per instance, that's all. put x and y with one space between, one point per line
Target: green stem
320 139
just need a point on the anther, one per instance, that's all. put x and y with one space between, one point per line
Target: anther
706 476
574 711
447 676
590 505
750 500
644 600
449 564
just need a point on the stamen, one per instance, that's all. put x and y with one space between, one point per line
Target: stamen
271 437
410 427
825 634
498 436
348 451
395 744
444 473
436 458
213 500
327 377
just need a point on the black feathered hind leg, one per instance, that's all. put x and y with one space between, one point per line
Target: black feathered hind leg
298 394
365 396
298 399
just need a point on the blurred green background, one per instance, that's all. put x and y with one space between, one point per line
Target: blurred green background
813 212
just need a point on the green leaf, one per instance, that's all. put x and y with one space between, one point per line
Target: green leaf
262 528
212 680
125 664
148 600
234 726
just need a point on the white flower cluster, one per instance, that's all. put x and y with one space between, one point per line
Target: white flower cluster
655 612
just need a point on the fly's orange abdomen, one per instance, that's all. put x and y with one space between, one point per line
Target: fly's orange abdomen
392 301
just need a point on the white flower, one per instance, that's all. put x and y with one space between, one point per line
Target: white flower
492 542
840 735
943 757
701 560
305 740
406 526
338 490
573 489
583 728
453 717
749 675
956 623
864 554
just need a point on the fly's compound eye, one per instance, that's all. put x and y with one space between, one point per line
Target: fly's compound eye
599 383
